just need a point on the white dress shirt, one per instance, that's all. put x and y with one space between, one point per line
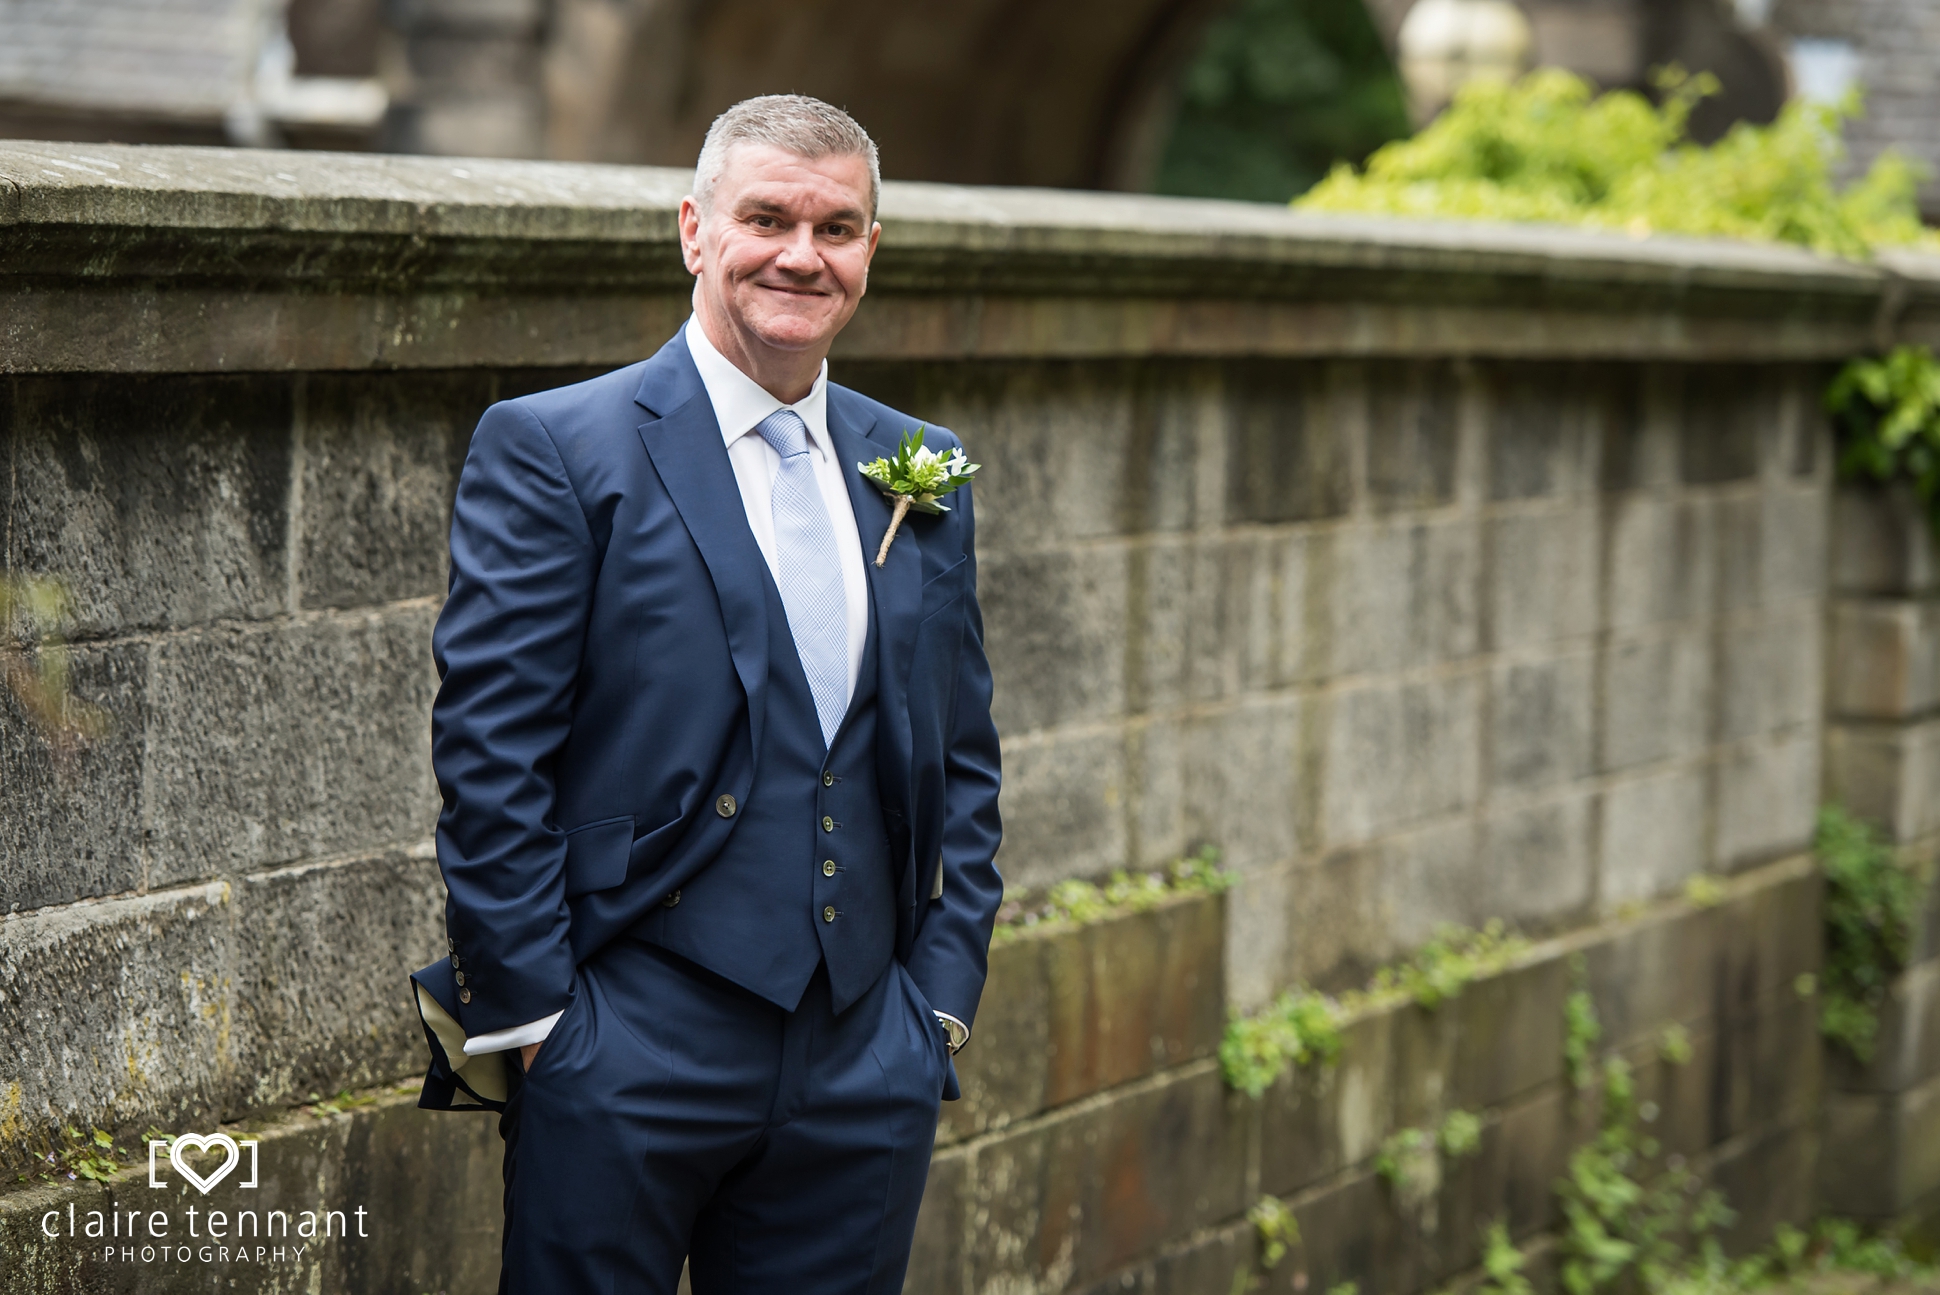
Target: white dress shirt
740 403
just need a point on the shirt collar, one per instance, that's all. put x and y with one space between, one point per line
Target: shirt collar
740 402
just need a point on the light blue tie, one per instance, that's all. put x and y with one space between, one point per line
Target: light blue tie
811 576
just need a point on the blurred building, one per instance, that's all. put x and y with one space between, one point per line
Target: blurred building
1078 94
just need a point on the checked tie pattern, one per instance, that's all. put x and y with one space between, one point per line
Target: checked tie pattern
811 577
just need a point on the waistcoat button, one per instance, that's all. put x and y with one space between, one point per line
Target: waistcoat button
671 900
828 914
828 824
828 867
725 806
828 779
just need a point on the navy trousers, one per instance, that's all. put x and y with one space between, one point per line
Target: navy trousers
672 1114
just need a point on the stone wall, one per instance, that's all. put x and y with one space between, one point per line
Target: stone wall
1433 574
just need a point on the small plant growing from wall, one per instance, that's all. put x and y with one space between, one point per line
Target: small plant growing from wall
1871 904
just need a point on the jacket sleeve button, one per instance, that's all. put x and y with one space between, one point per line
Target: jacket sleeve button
725 806
464 995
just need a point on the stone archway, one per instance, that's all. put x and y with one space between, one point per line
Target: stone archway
1071 95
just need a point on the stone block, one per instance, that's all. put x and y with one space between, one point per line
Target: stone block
1257 948
70 811
1637 449
1505 1035
1772 672
1662 560
1240 775
278 743
936 1260
1753 1066
1785 558
1543 576
1683 963
1652 834
1544 429
1073 1011
1274 642
1353 1234
1889 774
1885 659
1656 698
1401 595
1354 909
158 502
1528 862
1398 753
323 956
374 1158
1540 721
1769 1182
1062 630
1292 433
117 1013
1413 420
1070 1198
1139 433
1064 812
1317 1121
1906 1051
379 457
1768 794
1217 1262
1727 413
1882 543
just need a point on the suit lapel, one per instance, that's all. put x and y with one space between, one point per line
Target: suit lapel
897 586
692 462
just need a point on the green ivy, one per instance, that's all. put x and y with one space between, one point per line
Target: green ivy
1299 1028
1502 1264
1621 1223
1887 412
1547 148
1442 968
1070 903
1582 1031
1871 904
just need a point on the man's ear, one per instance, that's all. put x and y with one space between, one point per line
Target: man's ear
690 235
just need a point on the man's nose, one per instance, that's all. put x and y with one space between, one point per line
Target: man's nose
798 254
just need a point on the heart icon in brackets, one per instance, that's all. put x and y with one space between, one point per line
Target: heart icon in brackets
204 1142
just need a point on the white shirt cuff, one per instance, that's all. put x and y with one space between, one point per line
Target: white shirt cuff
517 1037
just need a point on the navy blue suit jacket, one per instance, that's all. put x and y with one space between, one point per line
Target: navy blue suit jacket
603 656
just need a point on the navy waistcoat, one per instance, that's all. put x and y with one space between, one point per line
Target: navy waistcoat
805 876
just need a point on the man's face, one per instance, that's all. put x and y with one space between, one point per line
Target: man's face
784 253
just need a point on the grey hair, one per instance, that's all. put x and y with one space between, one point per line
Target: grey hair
806 127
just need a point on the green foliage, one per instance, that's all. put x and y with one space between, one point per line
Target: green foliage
1077 902
1279 91
1299 1028
1408 1164
1828 1257
1582 1031
1443 967
1622 1225
1674 1045
1502 1264
1277 1228
1703 892
1546 148
92 1155
921 475
1302 1027
1887 412
1460 1135
1871 903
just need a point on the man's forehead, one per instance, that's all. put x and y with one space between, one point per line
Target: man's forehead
764 177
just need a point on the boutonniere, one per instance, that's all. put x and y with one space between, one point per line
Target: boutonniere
916 478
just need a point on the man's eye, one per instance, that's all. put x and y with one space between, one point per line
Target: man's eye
837 231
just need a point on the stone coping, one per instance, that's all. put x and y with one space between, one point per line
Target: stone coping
143 219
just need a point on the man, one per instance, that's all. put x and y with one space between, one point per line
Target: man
720 793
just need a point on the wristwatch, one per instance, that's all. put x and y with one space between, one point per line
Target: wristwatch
957 1032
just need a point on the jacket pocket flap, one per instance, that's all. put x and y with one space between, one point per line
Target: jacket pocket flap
597 854
945 588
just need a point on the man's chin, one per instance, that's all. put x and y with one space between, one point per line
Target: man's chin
793 332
